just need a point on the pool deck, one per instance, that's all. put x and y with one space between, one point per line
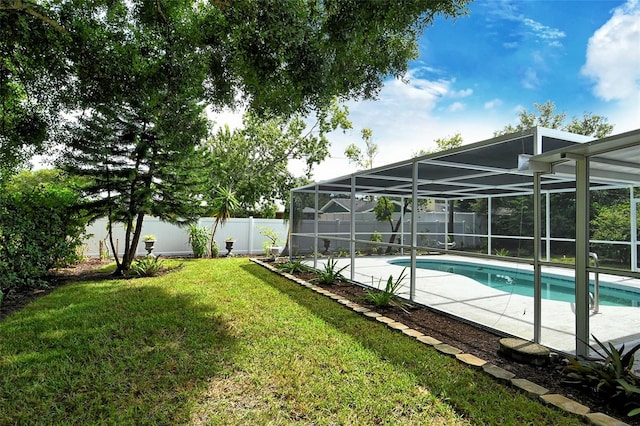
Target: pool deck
507 312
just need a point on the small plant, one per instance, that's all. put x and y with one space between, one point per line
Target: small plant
148 266
293 266
343 252
389 295
329 274
611 375
501 252
229 239
215 249
272 235
149 237
375 237
199 240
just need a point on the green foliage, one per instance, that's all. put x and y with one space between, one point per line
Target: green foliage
274 238
329 274
148 266
293 266
40 227
355 155
215 249
223 205
342 252
199 240
375 237
254 159
389 295
611 375
612 223
589 125
501 252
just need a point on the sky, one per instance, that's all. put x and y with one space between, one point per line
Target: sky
475 74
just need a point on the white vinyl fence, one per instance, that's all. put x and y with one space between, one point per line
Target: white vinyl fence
172 240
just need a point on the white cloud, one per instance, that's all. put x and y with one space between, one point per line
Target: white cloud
613 55
551 35
530 79
456 107
494 103
509 11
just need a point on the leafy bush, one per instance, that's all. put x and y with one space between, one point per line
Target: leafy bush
389 295
215 249
40 227
611 375
293 266
148 266
377 238
329 274
199 240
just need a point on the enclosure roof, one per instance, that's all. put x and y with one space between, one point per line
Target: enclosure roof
500 166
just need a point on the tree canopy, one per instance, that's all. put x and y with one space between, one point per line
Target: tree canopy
588 125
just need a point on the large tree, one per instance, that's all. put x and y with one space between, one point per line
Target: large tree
254 160
138 74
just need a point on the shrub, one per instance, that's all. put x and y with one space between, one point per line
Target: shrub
610 376
199 240
148 266
329 274
293 266
40 227
389 295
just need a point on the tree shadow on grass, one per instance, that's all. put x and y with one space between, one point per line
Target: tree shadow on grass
115 351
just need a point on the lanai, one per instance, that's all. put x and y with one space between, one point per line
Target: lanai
534 162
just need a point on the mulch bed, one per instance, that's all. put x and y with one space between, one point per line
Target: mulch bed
469 338
484 344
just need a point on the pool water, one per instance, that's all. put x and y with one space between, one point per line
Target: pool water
520 281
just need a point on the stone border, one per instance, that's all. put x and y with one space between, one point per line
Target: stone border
531 389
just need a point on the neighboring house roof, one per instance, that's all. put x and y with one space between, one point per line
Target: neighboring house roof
343 205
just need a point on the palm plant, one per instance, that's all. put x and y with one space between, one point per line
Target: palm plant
224 203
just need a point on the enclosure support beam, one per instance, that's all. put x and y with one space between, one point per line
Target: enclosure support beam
352 232
489 219
634 229
537 273
414 231
547 219
582 255
316 206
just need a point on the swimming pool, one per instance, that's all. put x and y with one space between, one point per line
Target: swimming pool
520 281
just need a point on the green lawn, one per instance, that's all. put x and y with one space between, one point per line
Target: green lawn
226 342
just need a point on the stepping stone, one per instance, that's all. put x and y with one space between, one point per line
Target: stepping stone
372 314
601 419
524 351
471 360
385 320
429 340
397 326
447 349
413 333
529 387
565 403
499 373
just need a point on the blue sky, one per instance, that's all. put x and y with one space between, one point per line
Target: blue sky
474 75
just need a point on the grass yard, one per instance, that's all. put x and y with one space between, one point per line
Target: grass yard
226 342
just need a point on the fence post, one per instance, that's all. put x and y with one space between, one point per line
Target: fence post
251 225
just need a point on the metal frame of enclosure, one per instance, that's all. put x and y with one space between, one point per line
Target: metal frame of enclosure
536 162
